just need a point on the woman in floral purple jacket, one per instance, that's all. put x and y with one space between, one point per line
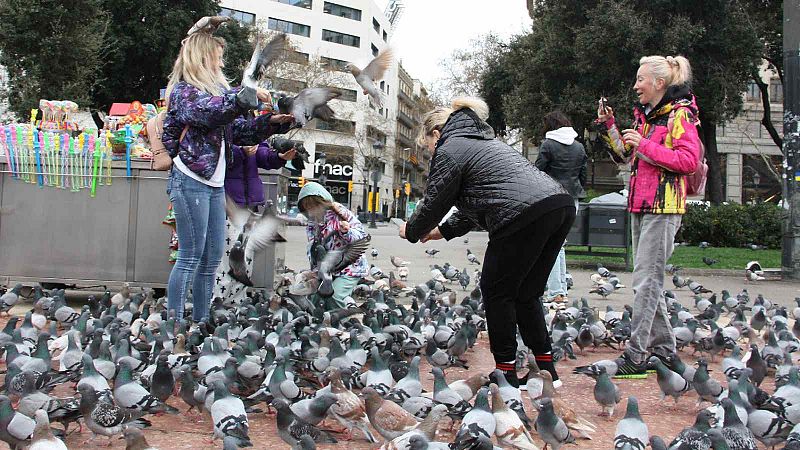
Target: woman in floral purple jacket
205 118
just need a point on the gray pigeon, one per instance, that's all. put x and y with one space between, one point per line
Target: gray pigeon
479 421
261 59
552 430
43 438
310 103
104 417
314 410
291 427
631 433
606 393
372 73
707 388
10 298
15 429
656 443
694 437
738 436
757 365
336 260
605 289
670 383
132 395
257 232
229 416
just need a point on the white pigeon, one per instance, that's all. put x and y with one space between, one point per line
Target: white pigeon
372 73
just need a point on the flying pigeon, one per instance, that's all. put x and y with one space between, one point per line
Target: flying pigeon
372 73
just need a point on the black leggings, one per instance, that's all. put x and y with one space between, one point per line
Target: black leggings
515 272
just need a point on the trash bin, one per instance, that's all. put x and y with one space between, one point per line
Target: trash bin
607 226
577 234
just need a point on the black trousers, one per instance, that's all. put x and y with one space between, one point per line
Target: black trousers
515 272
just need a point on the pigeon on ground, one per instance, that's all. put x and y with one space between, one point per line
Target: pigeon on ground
709 261
708 389
439 358
550 427
631 431
15 429
291 427
132 395
43 438
229 416
698 288
757 365
606 393
456 405
509 429
387 418
472 258
10 298
605 289
431 252
670 383
399 262
314 410
372 73
426 429
349 410
104 417
738 436
135 440
695 437
478 422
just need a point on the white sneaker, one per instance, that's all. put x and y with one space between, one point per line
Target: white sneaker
556 384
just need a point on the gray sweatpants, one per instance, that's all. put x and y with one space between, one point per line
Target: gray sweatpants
653 242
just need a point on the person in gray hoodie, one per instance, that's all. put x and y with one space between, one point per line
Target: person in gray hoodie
564 159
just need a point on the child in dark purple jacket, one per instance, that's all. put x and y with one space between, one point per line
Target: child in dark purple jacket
243 186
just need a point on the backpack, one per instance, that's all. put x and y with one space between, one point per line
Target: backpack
696 181
155 130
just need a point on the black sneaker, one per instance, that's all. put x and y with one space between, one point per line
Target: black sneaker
626 366
511 378
666 360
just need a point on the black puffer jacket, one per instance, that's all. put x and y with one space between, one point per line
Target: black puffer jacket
565 163
493 186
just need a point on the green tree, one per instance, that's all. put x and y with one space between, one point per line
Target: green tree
144 39
579 50
52 50
238 49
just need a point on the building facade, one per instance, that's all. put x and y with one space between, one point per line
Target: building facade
412 161
359 145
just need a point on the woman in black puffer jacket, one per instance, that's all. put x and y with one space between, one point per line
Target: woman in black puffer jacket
527 215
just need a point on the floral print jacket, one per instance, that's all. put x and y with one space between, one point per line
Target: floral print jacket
669 150
210 118
330 226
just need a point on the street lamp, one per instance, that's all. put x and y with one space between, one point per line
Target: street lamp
377 148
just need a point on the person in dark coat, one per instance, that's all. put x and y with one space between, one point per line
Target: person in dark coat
244 187
564 159
526 213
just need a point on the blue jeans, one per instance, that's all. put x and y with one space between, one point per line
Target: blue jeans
200 222
557 281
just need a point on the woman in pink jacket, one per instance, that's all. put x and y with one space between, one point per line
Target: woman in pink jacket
662 147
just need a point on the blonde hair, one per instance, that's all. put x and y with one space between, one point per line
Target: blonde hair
674 70
196 65
435 120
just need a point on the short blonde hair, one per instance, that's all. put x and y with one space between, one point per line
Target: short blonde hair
435 120
195 65
674 70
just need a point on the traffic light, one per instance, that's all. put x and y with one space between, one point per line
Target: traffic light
408 188
350 186
397 193
301 181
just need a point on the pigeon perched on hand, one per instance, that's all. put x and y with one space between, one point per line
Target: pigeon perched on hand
372 73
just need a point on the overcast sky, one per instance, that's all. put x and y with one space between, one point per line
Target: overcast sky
430 30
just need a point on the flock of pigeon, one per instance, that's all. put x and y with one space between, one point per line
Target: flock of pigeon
354 373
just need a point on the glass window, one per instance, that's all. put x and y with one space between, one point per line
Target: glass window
341 38
752 94
301 3
342 11
243 17
289 27
775 91
376 25
374 50
376 134
333 63
341 126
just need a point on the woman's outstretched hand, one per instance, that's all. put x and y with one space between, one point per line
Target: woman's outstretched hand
433 235
281 118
